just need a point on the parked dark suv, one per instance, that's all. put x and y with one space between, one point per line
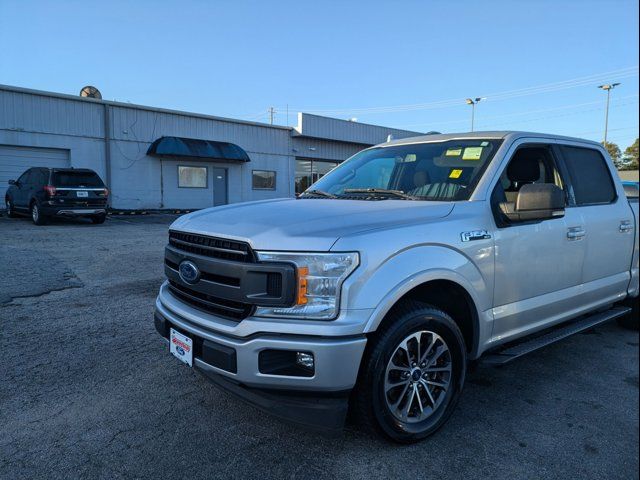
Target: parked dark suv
44 193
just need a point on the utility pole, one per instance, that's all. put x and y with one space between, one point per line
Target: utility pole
272 113
473 102
607 87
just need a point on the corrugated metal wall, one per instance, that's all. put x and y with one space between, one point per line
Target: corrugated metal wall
42 114
324 149
40 119
345 131
134 124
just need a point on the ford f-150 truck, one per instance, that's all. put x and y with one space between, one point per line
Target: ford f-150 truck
373 290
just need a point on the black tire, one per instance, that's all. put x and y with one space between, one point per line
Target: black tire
9 208
98 219
37 217
632 320
370 402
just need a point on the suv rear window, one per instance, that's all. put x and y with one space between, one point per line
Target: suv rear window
590 176
76 179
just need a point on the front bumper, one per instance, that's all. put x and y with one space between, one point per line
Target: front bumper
325 413
337 360
319 401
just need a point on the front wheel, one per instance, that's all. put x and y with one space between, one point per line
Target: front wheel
10 211
412 375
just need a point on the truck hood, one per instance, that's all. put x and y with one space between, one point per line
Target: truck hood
311 224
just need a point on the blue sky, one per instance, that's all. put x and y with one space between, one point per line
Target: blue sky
403 64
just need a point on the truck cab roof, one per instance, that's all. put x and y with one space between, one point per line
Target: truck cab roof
497 134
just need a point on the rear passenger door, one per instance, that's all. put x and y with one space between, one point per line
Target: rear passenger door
608 223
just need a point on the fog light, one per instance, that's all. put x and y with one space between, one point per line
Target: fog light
305 360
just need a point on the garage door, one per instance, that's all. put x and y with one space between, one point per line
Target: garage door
15 160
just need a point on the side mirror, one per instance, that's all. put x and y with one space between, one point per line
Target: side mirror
12 182
537 201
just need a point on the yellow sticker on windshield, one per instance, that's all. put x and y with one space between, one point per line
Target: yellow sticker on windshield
472 153
453 152
455 173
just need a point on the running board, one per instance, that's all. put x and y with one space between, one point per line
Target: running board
500 357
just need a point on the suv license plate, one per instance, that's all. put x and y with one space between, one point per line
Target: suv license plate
82 194
181 347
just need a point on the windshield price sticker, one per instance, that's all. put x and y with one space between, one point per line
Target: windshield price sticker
472 153
455 173
453 152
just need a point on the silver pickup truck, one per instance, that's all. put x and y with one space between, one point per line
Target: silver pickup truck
373 290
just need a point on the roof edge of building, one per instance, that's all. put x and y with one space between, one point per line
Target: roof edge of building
66 96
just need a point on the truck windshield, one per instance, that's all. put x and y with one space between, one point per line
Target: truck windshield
442 171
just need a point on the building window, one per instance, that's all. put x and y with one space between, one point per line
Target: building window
263 180
309 171
192 177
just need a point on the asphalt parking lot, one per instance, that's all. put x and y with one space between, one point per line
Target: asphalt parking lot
88 389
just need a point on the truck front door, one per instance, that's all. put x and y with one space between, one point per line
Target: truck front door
538 264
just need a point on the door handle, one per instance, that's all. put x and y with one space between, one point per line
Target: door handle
625 226
576 233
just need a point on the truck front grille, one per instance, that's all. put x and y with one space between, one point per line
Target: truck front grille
210 304
212 247
232 283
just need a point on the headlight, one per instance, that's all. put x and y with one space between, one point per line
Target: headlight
319 279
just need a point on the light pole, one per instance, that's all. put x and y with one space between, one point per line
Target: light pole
472 102
607 87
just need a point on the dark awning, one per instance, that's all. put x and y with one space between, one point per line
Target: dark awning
194 148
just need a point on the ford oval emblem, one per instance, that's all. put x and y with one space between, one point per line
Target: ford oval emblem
189 272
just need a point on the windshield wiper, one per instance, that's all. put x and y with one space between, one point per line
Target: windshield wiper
320 193
380 191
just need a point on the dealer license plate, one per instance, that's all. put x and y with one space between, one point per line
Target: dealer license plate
181 347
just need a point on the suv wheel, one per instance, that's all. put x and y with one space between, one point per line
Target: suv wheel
10 211
37 217
412 376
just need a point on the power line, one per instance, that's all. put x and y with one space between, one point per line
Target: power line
563 114
436 124
508 94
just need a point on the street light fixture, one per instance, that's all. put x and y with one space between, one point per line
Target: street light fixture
473 102
607 87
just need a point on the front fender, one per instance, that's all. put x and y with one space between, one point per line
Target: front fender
381 288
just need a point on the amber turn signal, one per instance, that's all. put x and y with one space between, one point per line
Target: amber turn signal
301 298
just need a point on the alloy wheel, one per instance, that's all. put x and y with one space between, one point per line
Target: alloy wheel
418 376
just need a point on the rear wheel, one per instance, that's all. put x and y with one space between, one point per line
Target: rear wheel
632 319
98 218
10 211
412 375
36 215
